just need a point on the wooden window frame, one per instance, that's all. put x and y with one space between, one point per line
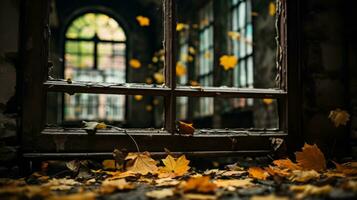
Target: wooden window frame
39 141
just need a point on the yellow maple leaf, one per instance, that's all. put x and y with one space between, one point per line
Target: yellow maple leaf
185 128
304 176
141 163
174 167
307 190
258 173
143 21
234 35
339 117
228 62
180 69
199 184
159 77
226 183
138 97
181 27
311 157
135 63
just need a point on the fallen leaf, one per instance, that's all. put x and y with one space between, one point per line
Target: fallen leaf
339 117
165 182
225 183
135 63
235 167
311 157
192 196
174 167
304 176
185 128
143 21
180 69
160 194
109 164
269 197
286 163
119 157
199 184
110 186
77 196
258 173
228 62
194 83
121 175
348 169
275 171
306 190
350 185
28 191
141 163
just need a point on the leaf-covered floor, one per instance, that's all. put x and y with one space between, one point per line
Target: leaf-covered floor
138 176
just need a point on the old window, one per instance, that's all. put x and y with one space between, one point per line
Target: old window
95 47
211 43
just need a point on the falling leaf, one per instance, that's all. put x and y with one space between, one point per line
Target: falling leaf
311 157
143 21
347 168
339 117
185 128
286 163
269 197
109 164
160 194
305 190
192 50
181 27
194 83
155 59
141 163
207 55
159 77
228 62
223 183
304 176
258 173
180 69
272 8
234 35
110 186
267 101
199 184
135 63
174 167
138 97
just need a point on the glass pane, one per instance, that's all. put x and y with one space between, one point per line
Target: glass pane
86 47
229 113
230 43
72 47
105 48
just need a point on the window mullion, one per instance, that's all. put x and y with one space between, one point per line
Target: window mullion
170 60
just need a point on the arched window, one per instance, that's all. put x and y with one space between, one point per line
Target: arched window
95 47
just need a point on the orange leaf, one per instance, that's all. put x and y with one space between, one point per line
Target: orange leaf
135 63
174 167
286 163
348 169
339 117
159 77
311 157
228 62
180 69
109 164
185 128
110 186
274 171
258 173
143 21
141 163
199 184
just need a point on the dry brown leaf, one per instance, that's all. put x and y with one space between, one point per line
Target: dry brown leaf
120 175
141 163
174 167
61 184
185 128
160 194
347 168
109 164
192 196
110 186
165 182
223 183
199 184
339 117
258 173
286 163
275 171
306 190
269 197
28 191
304 176
350 185
311 157
77 196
